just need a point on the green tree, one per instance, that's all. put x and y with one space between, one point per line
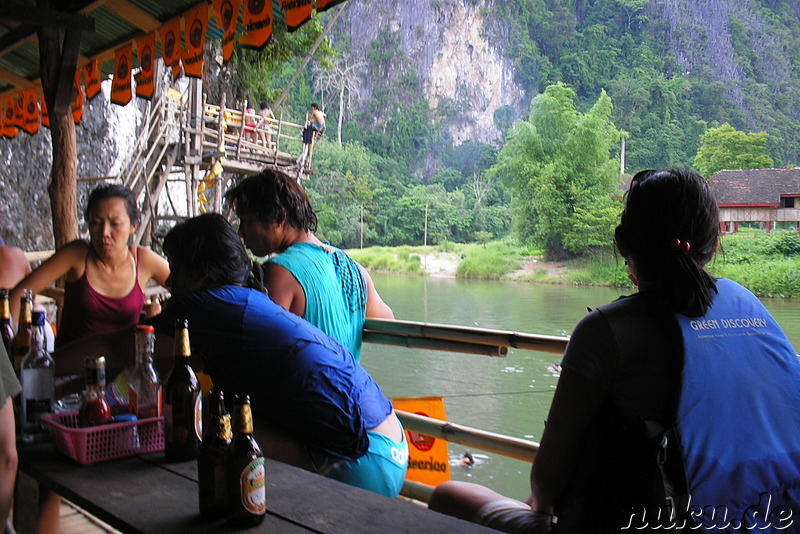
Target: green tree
559 167
728 148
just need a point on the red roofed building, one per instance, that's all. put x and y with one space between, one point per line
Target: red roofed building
757 195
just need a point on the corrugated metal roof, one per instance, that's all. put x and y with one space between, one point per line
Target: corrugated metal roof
116 22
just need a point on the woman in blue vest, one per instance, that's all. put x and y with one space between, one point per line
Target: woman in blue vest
677 407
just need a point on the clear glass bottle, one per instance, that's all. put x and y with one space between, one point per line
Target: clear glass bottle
182 415
146 396
37 373
95 409
246 477
137 389
22 340
211 458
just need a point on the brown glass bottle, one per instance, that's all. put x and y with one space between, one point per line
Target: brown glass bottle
182 422
211 458
22 341
95 409
6 328
246 488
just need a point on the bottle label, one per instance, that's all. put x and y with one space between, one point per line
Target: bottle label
253 487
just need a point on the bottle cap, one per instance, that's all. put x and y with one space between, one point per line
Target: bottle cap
148 328
125 418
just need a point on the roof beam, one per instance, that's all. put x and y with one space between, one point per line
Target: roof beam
134 15
14 79
12 10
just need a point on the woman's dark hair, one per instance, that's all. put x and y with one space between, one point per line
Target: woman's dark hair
207 250
670 228
107 191
274 197
264 104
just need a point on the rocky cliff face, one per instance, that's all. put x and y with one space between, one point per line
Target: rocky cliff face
448 42
105 136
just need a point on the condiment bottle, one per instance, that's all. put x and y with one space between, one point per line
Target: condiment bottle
182 416
211 458
95 409
246 488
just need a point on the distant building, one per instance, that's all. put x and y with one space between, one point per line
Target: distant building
757 195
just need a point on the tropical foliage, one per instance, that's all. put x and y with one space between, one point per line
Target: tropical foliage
559 166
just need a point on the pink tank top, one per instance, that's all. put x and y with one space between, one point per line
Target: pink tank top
88 312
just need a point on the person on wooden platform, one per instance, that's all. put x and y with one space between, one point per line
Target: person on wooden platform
313 279
677 408
265 116
106 276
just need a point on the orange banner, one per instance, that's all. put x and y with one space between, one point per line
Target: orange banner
170 34
194 37
428 459
296 12
227 13
92 72
19 110
77 100
121 91
257 21
45 115
146 51
7 128
322 5
32 112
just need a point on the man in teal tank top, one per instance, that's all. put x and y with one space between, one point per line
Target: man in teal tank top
310 278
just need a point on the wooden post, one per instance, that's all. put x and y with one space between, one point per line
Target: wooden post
58 65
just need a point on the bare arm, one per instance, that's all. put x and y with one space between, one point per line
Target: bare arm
14 266
574 405
153 267
376 307
8 459
69 259
284 289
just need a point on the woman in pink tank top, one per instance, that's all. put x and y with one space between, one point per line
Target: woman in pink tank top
105 277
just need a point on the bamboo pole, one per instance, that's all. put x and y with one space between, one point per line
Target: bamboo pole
447 345
465 334
519 449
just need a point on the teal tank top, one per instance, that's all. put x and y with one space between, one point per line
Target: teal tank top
335 289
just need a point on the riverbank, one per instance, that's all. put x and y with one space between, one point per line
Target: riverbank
767 264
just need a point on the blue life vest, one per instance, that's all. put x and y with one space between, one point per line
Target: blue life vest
739 417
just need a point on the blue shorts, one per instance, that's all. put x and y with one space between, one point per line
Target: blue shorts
381 470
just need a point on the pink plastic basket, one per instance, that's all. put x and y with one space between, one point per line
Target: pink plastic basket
105 442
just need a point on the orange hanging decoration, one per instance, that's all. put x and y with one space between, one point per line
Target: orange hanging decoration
196 24
227 13
297 12
145 78
121 91
257 20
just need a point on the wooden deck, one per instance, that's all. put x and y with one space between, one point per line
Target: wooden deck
74 520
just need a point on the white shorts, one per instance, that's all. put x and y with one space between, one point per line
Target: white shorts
513 517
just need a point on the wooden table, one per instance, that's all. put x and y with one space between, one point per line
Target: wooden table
146 494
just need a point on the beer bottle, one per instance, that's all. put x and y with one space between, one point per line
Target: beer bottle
95 409
182 417
211 458
6 328
22 341
246 488
38 381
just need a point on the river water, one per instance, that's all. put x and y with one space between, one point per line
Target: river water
508 395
